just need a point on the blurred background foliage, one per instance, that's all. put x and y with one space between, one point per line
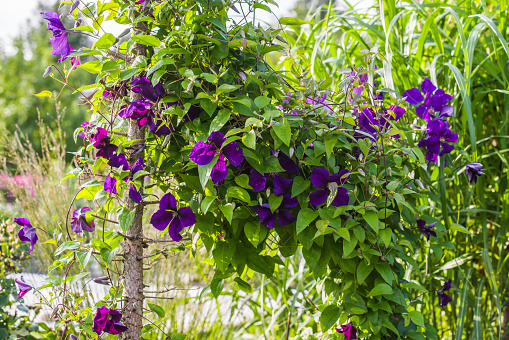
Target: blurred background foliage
460 45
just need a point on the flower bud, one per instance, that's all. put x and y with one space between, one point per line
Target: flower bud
47 72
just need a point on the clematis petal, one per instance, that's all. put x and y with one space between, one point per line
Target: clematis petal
203 153
27 233
427 86
100 319
161 218
168 202
217 138
446 148
320 178
257 181
413 96
234 153
285 218
134 194
341 198
219 171
265 216
175 229
119 161
288 164
289 202
318 197
23 287
139 165
187 217
110 184
281 185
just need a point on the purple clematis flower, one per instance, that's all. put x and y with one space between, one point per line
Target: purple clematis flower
426 229
281 215
87 126
79 220
143 86
444 299
59 41
203 153
110 184
139 165
432 101
438 137
101 141
473 170
27 233
23 287
169 215
141 111
257 181
108 321
321 179
349 331
73 337
320 101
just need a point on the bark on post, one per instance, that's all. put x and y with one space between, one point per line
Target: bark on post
133 264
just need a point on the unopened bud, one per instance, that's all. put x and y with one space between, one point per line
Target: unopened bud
74 6
102 280
47 72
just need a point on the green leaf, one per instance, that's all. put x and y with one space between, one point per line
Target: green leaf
243 181
227 211
204 171
125 219
157 309
44 93
255 233
206 202
216 287
329 145
223 254
77 277
344 233
84 258
225 88
67 245
380 289
417 318
148 40
283 130
219 121
329 317
249 139
363 270
299 185
105 41
386 235
460 228
293 21
243 285
372 218
261 101
239 193
275 202
384 269
304 218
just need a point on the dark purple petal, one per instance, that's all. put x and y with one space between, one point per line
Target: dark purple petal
281 185
413 96
266 217
289 202
320 178
446 148
106 151
134 194
318 197
443 299
110 184
285 218
447 111
426 230
59 41
161 218
217 138
175 229
257 181
423 112
139 165
219 170
114 325
144 87
427 86
341 198
23 287
187 217
234 153
288 164
119 161
168 202
341 177
203 153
